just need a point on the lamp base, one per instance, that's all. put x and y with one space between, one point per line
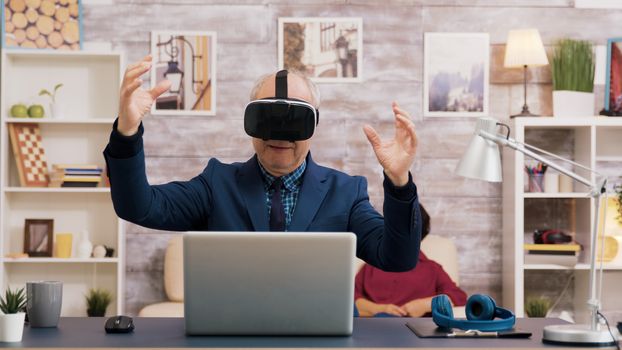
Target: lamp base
524 115
578 335
525 112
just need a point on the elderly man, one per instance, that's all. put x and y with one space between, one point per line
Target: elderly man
281 187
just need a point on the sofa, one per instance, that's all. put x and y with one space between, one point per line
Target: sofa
437 248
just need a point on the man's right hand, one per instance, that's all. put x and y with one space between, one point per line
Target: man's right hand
392 310
134 101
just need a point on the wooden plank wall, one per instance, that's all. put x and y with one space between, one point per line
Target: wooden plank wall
468 211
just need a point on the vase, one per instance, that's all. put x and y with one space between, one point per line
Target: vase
573 104
12 327
63 245
85 247
55 110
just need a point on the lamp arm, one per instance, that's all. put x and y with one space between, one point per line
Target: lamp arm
509 142
596 190
560 158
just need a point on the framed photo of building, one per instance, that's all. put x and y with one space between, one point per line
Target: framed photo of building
326 49
188 60
613 87
38 237
48 24
456 69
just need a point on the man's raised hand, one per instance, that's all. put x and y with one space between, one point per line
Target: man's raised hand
398 154
134 101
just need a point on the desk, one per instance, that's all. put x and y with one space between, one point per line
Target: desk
378 333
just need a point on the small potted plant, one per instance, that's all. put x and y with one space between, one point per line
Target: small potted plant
537 307
55 111
572 67
12 318
97 300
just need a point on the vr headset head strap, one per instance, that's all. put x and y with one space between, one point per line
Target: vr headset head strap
281 84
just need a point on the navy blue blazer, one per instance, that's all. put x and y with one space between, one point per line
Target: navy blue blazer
231 197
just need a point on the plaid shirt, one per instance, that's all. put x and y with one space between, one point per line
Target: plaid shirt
289 193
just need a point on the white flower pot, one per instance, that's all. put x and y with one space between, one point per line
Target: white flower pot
55 110
12 327
85 247
573 104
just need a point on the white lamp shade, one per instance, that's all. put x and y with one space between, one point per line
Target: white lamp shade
524 48
482 159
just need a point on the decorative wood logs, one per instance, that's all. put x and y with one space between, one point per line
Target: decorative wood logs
51 24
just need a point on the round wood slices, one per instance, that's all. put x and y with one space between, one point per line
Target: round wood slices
44 24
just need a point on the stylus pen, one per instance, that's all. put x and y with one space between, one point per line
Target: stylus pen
471 333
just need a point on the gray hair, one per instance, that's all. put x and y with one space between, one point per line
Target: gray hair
313 89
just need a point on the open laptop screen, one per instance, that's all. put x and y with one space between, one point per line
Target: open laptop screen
269 283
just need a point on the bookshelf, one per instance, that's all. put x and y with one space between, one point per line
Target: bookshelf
591 141
89 99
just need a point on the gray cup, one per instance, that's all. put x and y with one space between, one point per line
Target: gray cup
44 303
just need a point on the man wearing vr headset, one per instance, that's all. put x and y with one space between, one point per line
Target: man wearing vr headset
281 187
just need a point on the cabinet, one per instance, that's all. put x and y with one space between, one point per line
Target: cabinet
89 102
592 141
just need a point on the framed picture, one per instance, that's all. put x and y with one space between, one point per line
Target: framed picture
38 239
613 87
188 60
455 76
29 154
47 24
326 49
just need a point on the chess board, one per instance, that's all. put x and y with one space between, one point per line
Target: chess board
29 154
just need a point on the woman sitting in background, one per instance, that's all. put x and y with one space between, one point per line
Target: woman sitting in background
380 293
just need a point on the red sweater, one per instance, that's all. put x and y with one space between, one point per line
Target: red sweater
427 279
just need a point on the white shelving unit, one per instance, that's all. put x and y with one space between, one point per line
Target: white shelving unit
61 261
89 101
596 139
57 190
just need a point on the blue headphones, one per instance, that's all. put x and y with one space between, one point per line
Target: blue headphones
480 312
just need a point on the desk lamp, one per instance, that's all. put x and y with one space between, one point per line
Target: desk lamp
482 161
524 49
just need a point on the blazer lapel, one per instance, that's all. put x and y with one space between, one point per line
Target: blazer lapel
310 197
251 187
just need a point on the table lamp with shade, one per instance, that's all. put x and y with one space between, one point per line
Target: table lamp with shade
482 161
524 49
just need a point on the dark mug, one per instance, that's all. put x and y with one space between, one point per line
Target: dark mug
44 303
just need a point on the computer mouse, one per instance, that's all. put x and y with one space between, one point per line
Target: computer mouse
119 324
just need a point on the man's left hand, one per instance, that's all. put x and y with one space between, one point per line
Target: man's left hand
418 307
397 155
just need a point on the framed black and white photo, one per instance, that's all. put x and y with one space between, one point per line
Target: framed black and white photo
326 49
456 69
38 237
188 60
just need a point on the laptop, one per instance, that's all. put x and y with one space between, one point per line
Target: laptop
269 283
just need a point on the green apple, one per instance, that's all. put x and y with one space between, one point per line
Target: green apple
36 111
19 111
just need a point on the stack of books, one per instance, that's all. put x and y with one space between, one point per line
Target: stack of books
556 254
75 175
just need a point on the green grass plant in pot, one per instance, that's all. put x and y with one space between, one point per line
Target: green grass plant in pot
537 307
97 301
572 67
12 318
